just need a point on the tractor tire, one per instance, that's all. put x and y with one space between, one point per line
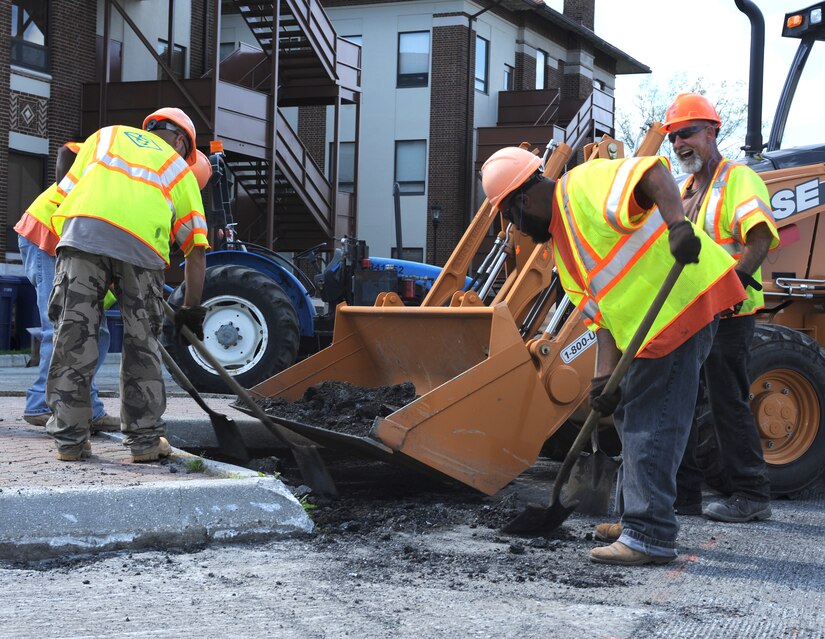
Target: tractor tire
251 328
788 401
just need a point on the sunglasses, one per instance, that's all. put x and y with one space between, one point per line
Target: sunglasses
687 132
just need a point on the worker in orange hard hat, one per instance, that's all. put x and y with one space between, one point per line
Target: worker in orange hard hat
114 224
616 227
731 203
37 243
202 168
176 121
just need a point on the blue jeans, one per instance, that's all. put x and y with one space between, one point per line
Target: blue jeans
39 267
654 421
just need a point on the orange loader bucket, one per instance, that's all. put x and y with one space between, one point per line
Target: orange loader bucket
483 413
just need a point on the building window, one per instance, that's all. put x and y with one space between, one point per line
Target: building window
346 165
178 59
482 63
411 166
115 58
541 68
413 59
226 49
507 84
26 176
30 34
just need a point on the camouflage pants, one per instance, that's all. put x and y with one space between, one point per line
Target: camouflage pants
76 308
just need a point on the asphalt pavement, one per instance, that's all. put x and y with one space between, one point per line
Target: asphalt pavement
53 508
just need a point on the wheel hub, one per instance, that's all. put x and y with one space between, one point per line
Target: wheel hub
228 335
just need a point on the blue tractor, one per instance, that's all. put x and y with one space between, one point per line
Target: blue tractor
264 313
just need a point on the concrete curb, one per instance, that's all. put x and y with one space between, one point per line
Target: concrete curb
230 504
40 523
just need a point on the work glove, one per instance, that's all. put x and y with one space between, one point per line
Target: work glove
746 280
192 317
684 244
604 404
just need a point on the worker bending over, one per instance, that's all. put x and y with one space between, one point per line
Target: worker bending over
616 227
128 192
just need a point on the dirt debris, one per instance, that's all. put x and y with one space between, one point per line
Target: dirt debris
395 523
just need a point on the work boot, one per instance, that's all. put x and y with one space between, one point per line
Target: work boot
620 555
75 454
161 449
608 532
37 420
737 509
106 424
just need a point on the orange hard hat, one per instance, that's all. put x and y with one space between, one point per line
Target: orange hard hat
505 171
182 122
202 168
689 106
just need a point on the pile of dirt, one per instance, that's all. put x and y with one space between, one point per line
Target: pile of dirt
402 523
342 407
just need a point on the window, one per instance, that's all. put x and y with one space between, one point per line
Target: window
346 166
413 59
115 58
26 176
411 166
482 60
225 50
178 59
29 34
541 68
507 84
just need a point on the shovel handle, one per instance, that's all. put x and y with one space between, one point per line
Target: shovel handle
233 384
616 377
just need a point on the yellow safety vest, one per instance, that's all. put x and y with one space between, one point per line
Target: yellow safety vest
623 258
738 201
135 181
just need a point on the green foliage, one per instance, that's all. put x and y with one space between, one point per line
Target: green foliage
307 505
195 465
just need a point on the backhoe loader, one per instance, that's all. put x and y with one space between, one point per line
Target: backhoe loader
501 367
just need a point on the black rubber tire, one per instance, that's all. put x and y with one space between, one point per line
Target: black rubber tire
246 304
787 369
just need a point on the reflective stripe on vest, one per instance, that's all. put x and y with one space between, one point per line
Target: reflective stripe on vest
623 270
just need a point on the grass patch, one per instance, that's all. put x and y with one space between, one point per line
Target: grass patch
196 465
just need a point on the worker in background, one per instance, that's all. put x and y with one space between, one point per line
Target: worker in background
128 192
617 226
37 244
730 202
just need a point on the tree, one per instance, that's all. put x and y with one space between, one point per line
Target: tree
652 100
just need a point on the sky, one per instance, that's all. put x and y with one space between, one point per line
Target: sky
711 39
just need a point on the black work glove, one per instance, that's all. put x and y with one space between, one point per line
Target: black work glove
684 244
604 404
191 317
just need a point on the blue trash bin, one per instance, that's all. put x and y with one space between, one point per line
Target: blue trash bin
27 314
8 298
115 324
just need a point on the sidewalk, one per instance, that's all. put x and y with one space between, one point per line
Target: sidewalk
107 503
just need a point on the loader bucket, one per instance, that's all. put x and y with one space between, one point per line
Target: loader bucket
482 414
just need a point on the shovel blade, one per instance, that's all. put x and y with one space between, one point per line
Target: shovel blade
591 482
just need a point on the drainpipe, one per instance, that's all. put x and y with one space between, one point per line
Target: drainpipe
468 147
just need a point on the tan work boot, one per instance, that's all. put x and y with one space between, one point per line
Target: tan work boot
608 532
84 452
161 449
106 424
37 420
618 554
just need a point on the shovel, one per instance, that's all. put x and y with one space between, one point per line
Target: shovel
590 485
537 518
313 470
226 430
